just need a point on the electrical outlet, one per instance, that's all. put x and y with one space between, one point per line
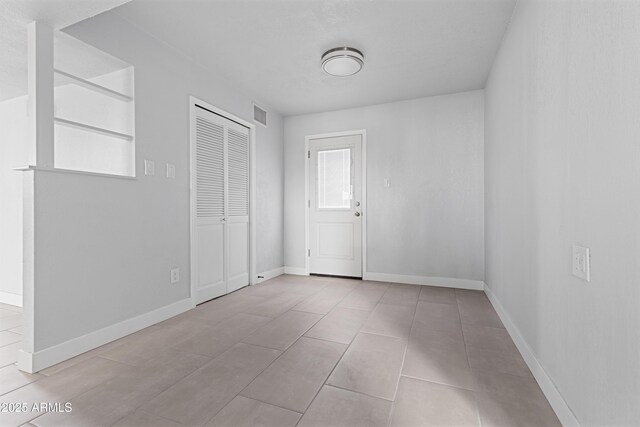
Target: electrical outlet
581 264
149 167
175 275
171 171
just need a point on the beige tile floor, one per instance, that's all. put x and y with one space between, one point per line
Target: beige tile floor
10 337
305 351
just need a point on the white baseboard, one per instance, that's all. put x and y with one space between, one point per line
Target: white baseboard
34 362
445 282
295 270
11 299
270 274
557 402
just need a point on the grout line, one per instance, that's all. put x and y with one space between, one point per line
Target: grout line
360 393
11 343
464 341
438 382
475 325
149 413
70 398
261 401
347 350
324 383
385 336
329 341
263 346
22 386
158 394
274 360
404 357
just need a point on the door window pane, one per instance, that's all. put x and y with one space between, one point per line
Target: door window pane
334 179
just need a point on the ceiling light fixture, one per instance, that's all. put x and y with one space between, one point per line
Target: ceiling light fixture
342 61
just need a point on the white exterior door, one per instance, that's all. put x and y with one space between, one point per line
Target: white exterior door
335 214
221 229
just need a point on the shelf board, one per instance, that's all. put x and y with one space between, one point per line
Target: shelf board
93 86
94 129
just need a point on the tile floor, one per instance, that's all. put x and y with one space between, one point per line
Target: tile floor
306 351
10 336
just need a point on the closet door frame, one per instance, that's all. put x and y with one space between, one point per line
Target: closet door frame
193 102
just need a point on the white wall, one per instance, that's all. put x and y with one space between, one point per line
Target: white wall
104 246
429 222
13 134
562 148
270 195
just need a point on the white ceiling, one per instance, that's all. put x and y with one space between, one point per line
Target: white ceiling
14 17
272 48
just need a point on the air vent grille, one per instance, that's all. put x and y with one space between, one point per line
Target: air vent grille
259 115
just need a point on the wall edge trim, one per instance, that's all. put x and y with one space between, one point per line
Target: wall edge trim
444 282
553 395
11 298
270 274
39 360
295 270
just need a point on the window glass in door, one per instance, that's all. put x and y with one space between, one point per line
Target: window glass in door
334 179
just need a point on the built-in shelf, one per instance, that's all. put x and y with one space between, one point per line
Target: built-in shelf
93 129
74 172
93 86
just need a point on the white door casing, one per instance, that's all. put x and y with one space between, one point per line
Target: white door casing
335 205
220 204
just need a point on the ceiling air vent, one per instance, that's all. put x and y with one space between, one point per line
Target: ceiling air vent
259 115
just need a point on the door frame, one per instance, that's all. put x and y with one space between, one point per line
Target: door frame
192 190
363 180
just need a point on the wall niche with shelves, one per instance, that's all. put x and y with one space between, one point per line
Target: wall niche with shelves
94 109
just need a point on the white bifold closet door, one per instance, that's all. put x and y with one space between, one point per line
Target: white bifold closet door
222 205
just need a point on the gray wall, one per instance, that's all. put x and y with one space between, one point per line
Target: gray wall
13 153
105 246
562 148
429 222
270 194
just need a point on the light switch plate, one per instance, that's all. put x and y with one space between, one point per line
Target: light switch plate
149 167
171 171
581 263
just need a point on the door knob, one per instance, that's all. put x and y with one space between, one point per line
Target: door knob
356 213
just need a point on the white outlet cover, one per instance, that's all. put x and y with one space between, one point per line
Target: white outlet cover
149 167
175 275
171 171
581 263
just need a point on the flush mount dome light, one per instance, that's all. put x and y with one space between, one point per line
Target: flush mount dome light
342 61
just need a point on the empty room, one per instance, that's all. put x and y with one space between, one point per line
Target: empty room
323 213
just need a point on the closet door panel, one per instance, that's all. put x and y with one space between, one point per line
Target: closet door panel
238 251
238 206
210 280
